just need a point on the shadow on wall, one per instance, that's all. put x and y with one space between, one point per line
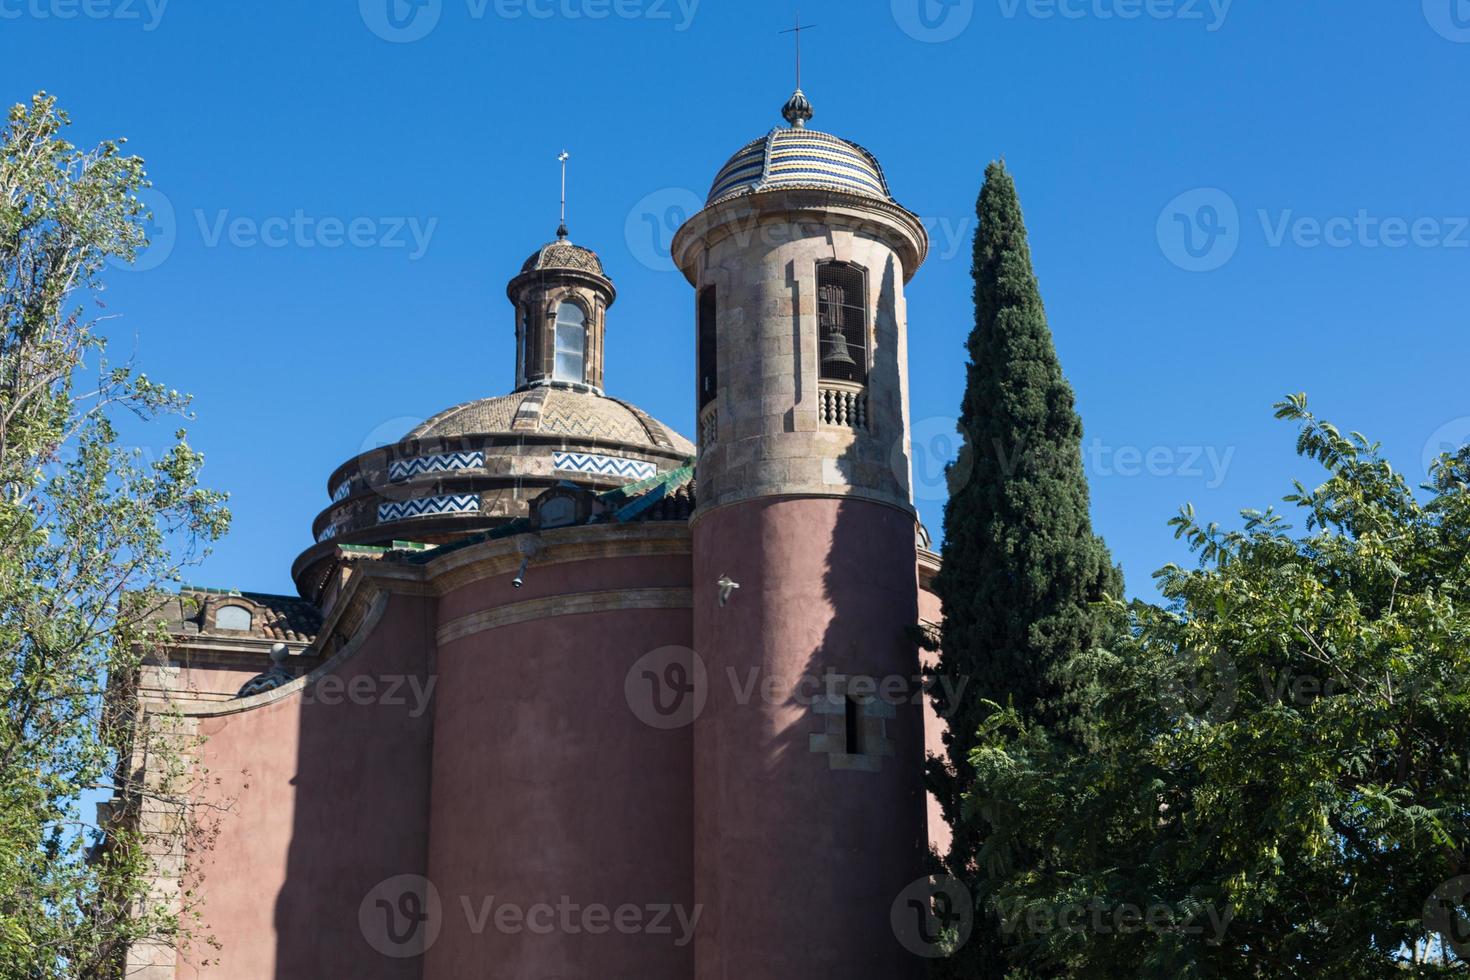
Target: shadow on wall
874 727
810 804
361 810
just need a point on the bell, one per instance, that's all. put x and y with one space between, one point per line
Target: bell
837 350
831 306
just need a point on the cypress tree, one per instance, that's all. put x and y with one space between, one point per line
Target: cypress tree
1022 566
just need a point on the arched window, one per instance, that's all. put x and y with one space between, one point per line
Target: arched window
842 317
571 343
709 365
234 618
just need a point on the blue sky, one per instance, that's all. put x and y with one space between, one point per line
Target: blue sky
1227 201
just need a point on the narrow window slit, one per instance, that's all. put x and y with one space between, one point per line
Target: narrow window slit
853 719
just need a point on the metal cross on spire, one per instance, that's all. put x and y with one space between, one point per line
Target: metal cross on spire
797 31
561 229
798 111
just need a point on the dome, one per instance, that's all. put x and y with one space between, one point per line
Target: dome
474 467
562 254
800 157
554 411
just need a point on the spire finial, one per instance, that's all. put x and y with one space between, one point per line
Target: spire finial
797 109
561 229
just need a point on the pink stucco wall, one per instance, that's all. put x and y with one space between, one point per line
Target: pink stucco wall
325 797
207 681
797 865
930 611
545 579
528 785
554 804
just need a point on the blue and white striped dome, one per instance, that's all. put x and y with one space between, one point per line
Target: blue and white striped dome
800 157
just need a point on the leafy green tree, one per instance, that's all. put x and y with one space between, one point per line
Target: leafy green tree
1281 784
1023 572
89 533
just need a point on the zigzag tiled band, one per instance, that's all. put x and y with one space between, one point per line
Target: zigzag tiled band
460 503
404 469
630 469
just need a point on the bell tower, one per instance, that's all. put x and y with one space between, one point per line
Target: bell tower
561 298
809 798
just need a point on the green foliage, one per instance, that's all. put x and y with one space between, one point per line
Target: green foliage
1023 572
89 533
1283 748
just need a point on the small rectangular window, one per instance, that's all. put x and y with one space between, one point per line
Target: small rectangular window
853 726
842 318
709 368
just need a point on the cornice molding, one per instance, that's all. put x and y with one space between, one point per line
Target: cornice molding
902 230
576 603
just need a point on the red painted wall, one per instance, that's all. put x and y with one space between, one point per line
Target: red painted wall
930 611
554 804
534 783
327 796
797 865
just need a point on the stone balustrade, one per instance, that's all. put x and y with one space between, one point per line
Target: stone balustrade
843 403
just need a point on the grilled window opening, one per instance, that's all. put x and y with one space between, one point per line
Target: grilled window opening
842 317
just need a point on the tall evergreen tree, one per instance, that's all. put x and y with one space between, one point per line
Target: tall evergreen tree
1022 567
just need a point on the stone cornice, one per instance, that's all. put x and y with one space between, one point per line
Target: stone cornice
550 278
462 566
365 597
899 228
929 563
229 649
847 493
571 604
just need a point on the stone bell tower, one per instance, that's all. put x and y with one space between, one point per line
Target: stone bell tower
809 801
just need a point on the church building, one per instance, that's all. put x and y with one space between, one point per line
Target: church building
565 694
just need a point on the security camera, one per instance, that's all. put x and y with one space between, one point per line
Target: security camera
529 545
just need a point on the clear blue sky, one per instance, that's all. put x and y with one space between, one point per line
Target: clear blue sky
1179 319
